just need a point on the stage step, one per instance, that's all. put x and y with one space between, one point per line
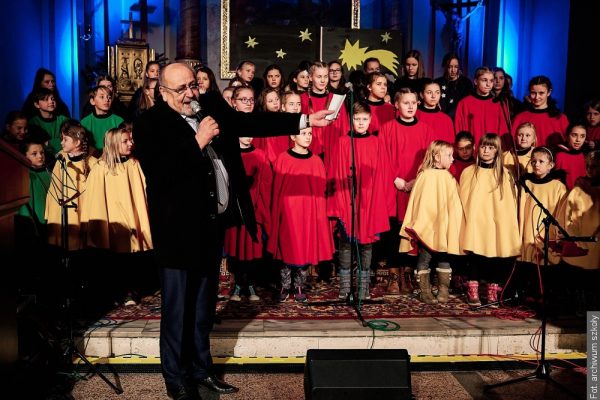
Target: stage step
292 338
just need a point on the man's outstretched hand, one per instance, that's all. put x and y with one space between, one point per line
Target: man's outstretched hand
318 118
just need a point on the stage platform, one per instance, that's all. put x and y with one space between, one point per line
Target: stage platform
276 340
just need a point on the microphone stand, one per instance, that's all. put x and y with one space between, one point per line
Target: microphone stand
543 369
352 299
65 201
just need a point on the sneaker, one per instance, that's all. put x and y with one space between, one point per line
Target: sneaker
224 293
300 297
252 292
129 301
235 294
284 294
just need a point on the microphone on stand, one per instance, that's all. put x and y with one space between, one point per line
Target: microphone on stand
349 86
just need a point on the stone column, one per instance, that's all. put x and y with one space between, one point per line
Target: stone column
188 32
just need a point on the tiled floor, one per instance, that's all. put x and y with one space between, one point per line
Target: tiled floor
425 386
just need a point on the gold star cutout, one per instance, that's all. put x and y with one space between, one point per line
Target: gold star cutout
251 42
280 53
305 35
385 37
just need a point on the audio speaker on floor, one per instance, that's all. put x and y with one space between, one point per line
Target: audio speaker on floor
357 374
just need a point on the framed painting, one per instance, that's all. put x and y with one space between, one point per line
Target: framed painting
284 17
126 64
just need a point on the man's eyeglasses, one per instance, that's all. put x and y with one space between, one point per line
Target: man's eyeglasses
181 90
246 100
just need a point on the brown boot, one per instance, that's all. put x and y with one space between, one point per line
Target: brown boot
444 276
406 285
425 285
392 287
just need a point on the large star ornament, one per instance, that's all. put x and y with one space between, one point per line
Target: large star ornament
305 35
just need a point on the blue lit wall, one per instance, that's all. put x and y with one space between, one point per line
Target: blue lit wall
38 34
533 40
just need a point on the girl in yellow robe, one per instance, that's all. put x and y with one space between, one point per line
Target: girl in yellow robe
68 183
433 219
491 230
525 141
116 210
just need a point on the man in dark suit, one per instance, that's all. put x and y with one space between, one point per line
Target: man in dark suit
196 187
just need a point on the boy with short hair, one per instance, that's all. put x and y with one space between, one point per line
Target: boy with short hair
46 119
102 119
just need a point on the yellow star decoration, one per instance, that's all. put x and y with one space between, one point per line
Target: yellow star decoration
385 37
251 42
305 35
352 55
280 53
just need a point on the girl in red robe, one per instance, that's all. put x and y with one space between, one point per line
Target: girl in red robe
592 118
550 123
318 98
405 140
570 158
372 205
299 233
463 153
478 113
381 110
245 253
290 103
430 112
269 100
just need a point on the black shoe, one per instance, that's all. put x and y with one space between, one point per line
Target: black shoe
216 385
182 393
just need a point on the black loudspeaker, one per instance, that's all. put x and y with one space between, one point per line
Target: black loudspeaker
357 374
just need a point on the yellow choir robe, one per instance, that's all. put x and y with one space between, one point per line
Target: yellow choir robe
581 217
77 170
491 228
551 193
524 157
117 214
434 214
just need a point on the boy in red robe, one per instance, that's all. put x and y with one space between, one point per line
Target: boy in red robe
373 202
300 233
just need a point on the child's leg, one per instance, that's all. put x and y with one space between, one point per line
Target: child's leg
396 275
299 277
366 252
344 273
422 274
475 262
444 274
251 273
286 282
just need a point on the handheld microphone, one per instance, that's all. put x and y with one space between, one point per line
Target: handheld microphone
197 109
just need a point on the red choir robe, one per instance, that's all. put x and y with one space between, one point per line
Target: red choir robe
238 242
381 112
459 165
550 131
593 134
276 145
300 232
405 143
480 115
573 163
440 123
324 138
374 197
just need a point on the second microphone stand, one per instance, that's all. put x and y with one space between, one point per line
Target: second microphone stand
543 369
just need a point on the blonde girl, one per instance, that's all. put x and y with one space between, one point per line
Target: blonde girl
518 161
117 214
433 219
